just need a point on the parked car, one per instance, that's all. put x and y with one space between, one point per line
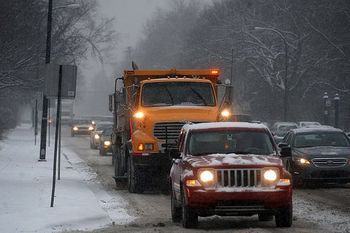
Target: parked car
229 169
320 154
280 129
308 123
96 133
81 127
106 142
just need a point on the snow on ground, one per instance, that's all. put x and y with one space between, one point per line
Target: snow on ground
25 191
330 218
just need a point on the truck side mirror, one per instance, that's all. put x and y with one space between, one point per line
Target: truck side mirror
111 100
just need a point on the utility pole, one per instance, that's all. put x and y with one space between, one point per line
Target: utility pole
45 100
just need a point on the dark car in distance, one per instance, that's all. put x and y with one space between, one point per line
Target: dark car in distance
81 127
229 169
317 155
95 135
105 146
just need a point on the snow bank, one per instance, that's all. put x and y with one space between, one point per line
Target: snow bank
80 203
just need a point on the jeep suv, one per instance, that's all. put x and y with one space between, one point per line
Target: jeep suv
229 169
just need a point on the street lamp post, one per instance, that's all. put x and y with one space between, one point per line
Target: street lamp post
43 133
285 96
325 108
336 110
45 100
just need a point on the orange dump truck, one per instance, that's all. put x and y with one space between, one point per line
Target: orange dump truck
149 108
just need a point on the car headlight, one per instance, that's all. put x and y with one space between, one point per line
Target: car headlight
97 136
107 143
91 128
206 176
303 161
75 128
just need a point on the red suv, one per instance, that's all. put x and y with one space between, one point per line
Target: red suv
229 169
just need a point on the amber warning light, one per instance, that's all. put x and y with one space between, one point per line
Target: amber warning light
214 72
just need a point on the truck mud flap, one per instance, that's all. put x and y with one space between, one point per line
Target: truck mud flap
120 178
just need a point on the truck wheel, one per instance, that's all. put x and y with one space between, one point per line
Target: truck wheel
175 210
284 217
265 217
117 163
189 217
135 184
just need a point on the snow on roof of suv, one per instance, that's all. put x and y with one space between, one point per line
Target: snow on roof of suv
214 125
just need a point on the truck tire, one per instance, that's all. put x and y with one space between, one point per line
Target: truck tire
189 217
118 167
135 184
284 217
175 210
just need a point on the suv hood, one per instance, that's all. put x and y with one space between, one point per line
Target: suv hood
324 151
231 160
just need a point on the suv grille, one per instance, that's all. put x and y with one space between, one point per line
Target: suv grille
239 177
168 131
329 162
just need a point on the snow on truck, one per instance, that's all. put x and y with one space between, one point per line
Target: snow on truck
149 112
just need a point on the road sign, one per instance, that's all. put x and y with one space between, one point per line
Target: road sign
69 80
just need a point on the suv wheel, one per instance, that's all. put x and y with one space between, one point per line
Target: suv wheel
284 217
135 184
189 217
175 210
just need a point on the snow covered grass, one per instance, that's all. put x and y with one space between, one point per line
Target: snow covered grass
25 190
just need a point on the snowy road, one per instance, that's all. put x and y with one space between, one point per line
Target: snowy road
324 209
87 198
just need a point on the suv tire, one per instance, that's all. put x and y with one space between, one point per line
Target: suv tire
189 217
284 217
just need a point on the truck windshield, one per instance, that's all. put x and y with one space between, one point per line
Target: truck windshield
177 93
225 142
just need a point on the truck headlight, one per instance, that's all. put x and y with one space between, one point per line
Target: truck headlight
225 113
97 136
206 176
139 115
107 143
75 128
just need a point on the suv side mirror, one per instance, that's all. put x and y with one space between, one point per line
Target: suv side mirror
285 151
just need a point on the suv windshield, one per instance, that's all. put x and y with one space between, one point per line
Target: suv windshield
178 93
321 139
224 142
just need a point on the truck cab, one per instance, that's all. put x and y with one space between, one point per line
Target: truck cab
150 111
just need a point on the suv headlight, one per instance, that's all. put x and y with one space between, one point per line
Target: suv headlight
270 176
107 143
207 176
97 136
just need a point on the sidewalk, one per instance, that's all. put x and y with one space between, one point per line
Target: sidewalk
25 191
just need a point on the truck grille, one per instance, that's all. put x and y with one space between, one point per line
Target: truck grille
168 131
329 162
239 177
